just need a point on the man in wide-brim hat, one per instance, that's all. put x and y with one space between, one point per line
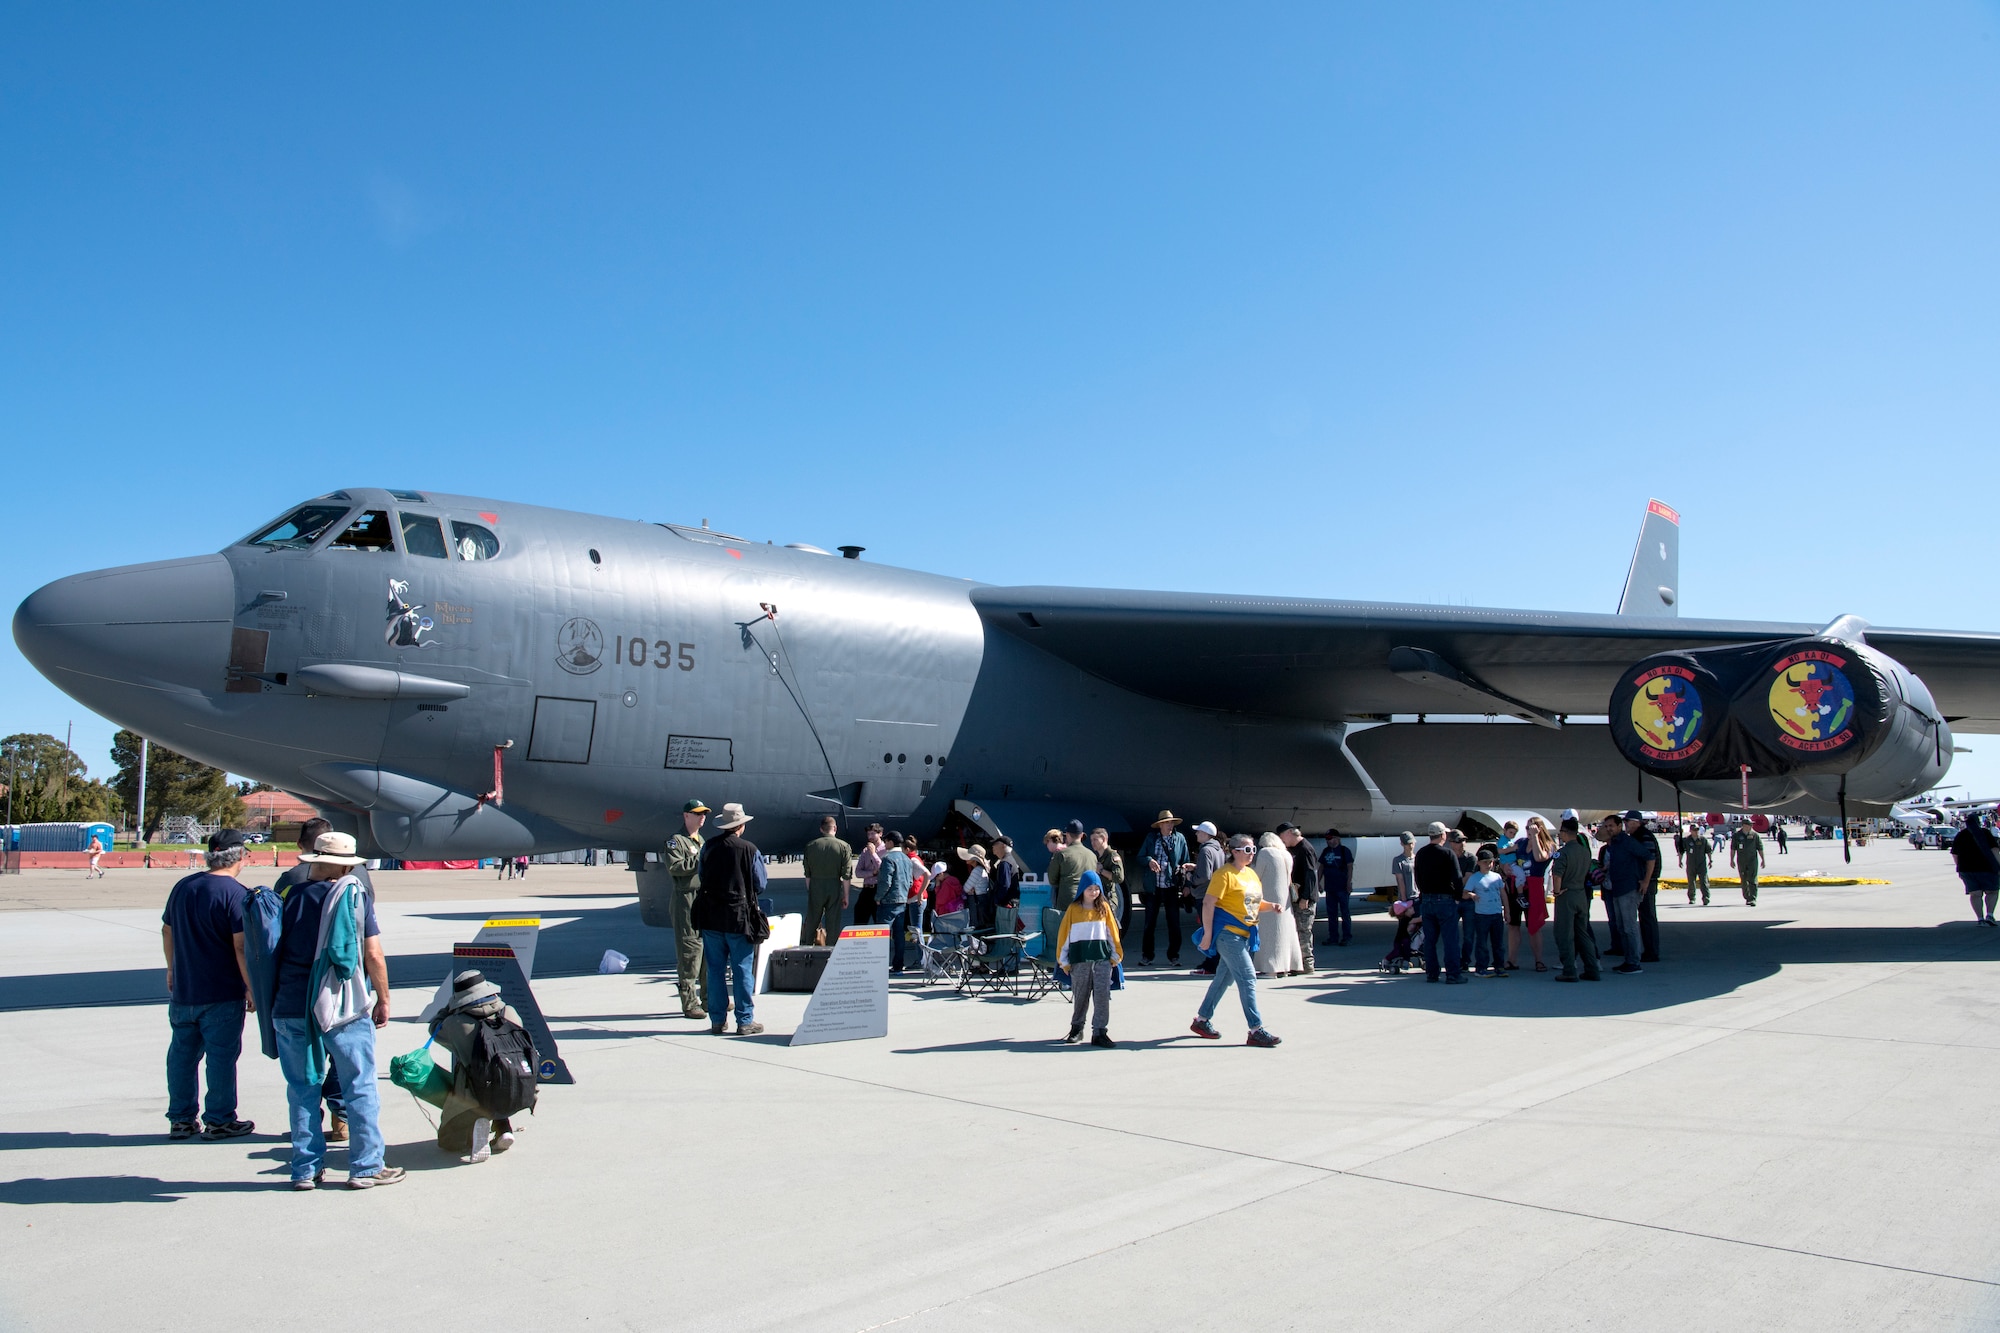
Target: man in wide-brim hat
1164 863
324 1017
724 912
474 1000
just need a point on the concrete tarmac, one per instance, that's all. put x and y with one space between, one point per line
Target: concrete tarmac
1782 1125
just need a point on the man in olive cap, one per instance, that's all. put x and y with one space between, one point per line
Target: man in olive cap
1066 867
683 858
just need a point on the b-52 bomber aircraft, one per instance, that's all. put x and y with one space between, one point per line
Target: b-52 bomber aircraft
452 677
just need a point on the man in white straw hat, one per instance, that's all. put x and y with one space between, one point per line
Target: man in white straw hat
332 993
725 912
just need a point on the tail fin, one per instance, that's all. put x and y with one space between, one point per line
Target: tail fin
1652 586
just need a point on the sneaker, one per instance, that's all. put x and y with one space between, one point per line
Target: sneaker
182 1129
1201 1027
1260 1038
698 1015
235 1129
1458 981
1102 1039
388 1175
1628 968
1075 1036
337 1131
304 1186
1499 976
503 1140
1593 976
749 1029
1564 976
717 1029
482 1135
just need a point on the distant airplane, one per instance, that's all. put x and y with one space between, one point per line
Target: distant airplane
452 677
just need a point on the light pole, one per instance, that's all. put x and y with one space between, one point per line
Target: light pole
143 745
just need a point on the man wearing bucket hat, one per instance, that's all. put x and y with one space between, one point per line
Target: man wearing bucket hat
683 858
332 993
1165 867
725 912
464 1126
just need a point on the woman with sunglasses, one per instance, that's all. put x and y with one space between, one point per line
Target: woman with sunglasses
1229 912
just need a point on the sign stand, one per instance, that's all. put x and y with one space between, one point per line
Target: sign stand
851 1001
517 933
497 962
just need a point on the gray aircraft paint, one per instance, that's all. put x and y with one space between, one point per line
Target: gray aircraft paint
631 682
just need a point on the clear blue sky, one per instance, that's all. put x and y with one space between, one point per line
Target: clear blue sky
1390 301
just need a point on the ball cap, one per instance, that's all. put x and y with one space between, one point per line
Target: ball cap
694 807
1205 827
1437 829
225 838
1632 815
1074 826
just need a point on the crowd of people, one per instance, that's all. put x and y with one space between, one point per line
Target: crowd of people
305 956
1256 903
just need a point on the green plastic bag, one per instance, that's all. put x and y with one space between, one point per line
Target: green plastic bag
418 1074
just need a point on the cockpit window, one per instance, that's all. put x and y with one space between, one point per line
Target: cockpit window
474 542
299 529
423 535
414 497
370 531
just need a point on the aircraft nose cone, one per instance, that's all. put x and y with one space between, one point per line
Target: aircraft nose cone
162 626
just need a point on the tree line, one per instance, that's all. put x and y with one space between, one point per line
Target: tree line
50 784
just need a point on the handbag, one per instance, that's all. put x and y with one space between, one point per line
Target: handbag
757 925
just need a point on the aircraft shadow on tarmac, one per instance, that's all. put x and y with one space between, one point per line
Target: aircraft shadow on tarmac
1703 960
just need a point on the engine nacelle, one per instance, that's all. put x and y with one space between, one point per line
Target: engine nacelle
1803 714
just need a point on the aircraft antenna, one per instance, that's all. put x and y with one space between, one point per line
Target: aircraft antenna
770 616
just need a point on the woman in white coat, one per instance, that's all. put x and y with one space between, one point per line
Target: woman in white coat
1278 952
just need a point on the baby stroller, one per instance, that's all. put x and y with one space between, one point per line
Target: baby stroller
1407 950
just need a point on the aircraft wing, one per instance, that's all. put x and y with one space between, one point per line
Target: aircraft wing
1333 660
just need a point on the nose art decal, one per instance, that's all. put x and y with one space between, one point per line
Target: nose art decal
407 625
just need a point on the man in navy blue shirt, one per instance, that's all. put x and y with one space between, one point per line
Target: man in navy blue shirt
1629 864
1336 877
348 1039
208 991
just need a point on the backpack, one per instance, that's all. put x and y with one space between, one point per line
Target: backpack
500 1070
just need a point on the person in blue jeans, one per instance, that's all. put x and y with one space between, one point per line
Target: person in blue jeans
1229 912
1489 922
725 912
893 882
208 991
1440 889
1336 878
318 947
